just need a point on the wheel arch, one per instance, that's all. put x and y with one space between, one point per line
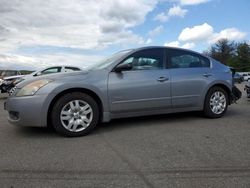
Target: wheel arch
70 90
224 87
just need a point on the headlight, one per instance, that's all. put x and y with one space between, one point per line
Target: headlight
32 87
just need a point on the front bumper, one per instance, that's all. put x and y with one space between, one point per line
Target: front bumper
27 111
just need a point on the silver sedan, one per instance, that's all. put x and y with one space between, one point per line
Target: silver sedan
137 82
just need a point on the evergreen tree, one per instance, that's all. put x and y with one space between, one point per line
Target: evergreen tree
223 50
230 53
242 60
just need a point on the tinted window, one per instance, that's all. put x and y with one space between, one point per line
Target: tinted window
51 70
70 69
185 59
149 59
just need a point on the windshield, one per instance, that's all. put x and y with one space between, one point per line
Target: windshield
108 61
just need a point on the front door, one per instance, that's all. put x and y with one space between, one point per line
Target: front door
143 88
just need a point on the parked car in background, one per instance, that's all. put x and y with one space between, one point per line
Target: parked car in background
137 82
238 78
7 78
51 70
247 89
10 82
246 75
7 83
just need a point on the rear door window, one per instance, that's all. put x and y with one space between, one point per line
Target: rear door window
185 59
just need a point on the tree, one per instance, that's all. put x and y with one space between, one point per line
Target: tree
233 54
242 60
223 50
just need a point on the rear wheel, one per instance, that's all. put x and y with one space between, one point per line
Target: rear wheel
75 114
216 103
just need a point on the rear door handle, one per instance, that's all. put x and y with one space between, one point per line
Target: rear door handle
207 75
162 79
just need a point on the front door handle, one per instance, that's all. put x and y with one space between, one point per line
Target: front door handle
207 75
162 79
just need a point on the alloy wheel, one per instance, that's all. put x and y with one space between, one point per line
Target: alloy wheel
218 102
76 115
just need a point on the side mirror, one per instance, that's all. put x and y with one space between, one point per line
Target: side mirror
123 67
38 74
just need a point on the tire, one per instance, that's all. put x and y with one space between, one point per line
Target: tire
215 96
71 118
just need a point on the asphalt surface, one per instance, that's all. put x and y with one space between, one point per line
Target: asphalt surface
177 150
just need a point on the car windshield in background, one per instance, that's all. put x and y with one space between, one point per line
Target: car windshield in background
109 60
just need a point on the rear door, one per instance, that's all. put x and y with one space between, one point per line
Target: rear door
190 74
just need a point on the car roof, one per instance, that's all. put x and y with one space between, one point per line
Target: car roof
166 47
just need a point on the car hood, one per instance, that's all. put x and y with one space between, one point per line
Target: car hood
13 77
56 77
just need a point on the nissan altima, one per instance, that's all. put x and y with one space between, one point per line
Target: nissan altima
136 82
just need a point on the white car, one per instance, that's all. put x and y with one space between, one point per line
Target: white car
7 78
10 81
50 70
246 75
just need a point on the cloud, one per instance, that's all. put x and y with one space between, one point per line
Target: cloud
204 33
129 12
229 33
196 33
18 62
192 2
149 41
162 17
188 45
79 24
178 44
156 31
172 44
175 11
8 61
111 27
85 25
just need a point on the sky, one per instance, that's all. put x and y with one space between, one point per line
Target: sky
38 33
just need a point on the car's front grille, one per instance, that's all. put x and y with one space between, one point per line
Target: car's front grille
12 91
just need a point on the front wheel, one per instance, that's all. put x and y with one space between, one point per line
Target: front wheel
75 114
216 103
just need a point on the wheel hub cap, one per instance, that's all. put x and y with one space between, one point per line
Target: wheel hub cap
218 102
76 115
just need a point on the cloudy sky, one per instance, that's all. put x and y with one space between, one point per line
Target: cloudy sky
38 33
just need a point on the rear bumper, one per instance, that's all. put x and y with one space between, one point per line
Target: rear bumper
235 95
